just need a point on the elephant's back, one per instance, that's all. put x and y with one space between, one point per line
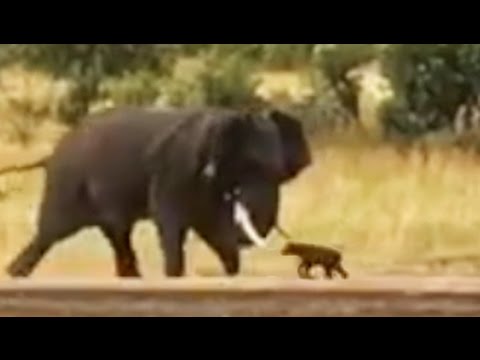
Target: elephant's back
113 145
107 149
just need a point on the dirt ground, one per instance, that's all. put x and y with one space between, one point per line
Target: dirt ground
244 297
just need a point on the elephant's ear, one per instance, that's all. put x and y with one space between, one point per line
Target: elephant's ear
223 137
197 145
296 151
159 155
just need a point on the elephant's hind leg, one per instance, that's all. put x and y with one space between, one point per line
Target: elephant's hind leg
63 212
54 226
24 264
125 260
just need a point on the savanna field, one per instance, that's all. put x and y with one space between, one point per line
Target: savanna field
391 214
406 218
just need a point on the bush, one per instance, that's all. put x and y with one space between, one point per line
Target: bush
335 61
211 81
87 66
139 88
431 82
325 112
28 98
286 56
228 81
335 102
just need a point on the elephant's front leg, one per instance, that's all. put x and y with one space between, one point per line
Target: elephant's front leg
221 238
228 253
172 240
172 230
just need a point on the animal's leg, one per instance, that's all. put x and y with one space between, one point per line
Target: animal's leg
228 253
24 264
172 240
115 220
304 270
342 271
55 223
221 237
171 228
301 270
329 272
308 271
172 236
230 257
125 259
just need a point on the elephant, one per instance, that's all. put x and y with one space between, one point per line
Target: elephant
216 171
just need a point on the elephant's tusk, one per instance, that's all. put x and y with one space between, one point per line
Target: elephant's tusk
241 217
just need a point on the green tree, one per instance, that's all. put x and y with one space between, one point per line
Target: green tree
431 82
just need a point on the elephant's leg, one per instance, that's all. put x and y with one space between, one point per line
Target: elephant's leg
115 219
172 243
25 263
172 235
228 254
55 223
222 239
172 230
120 241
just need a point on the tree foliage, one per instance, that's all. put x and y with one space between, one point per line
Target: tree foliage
335 61
430 81
87 65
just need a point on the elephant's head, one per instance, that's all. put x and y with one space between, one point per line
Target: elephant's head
272 150
242 158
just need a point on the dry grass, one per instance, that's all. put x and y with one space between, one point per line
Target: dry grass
391 214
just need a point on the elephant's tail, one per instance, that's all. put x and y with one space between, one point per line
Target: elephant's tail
26 167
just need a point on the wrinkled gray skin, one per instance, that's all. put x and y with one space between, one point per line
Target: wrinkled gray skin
178 168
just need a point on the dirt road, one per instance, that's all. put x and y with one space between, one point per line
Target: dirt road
382 296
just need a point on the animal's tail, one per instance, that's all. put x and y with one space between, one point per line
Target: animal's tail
30 166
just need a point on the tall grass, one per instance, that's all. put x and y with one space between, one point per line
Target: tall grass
390 213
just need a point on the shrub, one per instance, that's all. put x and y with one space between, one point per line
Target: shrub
212 80
287 56
88 66
139 88
431 82
335 61
28 98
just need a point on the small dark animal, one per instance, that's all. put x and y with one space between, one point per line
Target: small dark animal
311 255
